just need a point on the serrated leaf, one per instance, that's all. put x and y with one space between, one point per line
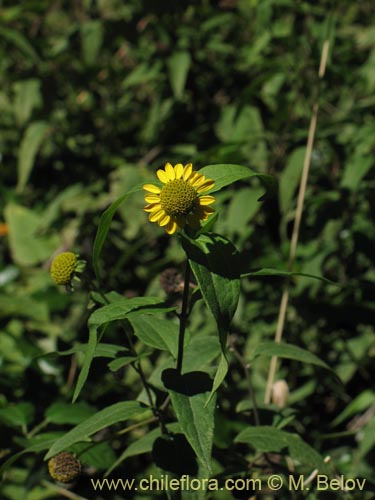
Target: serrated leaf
29 147
288 351
267 439
111 415
104 225
225 174
189 394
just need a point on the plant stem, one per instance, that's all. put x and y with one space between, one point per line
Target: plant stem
136 364
298 217
250 388
183 318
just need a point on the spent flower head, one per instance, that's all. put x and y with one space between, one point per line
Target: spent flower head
179 202
64 467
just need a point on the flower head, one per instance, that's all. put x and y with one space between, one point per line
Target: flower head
64 467
179 202
63 267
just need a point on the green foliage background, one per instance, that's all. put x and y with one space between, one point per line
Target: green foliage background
94 97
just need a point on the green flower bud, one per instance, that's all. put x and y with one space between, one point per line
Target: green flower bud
63 267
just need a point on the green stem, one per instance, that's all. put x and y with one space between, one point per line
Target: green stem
183 318
136 365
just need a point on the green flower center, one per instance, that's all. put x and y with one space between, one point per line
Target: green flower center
178 197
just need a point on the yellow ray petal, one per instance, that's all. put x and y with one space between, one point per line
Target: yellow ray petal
206 200
170 172
187 171
193 177
151 188
152 198
152 207
178 170
162 176
155 216
171 227
206 186
164 220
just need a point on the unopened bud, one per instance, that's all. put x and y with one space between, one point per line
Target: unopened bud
280 393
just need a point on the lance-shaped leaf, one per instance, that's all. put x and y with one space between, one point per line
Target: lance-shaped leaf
267 439
223 175
189 394
111 415
215 264
116 311
104 225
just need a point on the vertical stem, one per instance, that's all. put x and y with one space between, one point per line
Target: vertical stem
183 317
297 220
246 368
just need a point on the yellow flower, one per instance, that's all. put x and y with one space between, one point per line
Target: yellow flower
64 467
179 202
63 267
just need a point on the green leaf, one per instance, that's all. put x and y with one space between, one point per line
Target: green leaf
116 311
104 225
355 170
267 439
23 306
27 97
27 246
16 38
118 363
220 374
142 445
64 413
122 308
91 40
35 445
178 68
99 455
361 403
214 261
112 414
288 351
17 415
278 272
290 178
157 332
223 175
30 145
189 394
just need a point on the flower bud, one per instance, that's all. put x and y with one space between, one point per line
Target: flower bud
280 393
63 267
